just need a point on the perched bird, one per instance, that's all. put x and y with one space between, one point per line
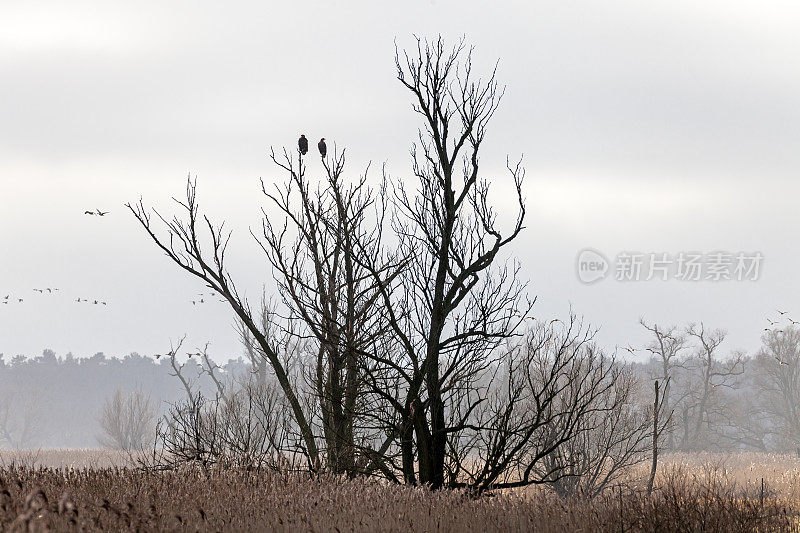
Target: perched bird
302 143
323 148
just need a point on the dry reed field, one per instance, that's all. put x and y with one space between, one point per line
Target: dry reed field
702 492
88 490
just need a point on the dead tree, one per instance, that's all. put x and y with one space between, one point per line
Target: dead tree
658 411
453 303
667 345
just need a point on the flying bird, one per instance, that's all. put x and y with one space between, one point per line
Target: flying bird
102 213
782 312
88 212
302 143
323 148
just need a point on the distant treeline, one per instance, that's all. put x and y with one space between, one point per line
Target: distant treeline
52 401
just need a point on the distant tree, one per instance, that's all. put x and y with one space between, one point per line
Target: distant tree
667 345
778 376
127 420
21 417
702 413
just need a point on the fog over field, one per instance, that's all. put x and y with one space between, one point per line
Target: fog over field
421 266
658 127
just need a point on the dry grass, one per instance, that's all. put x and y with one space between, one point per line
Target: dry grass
64 458
696 493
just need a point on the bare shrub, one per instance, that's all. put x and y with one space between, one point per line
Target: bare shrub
614 434
242 429
127 420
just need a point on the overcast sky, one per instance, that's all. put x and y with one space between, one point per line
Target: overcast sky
660 127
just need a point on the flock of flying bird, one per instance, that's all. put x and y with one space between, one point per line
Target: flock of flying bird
773 323
50 290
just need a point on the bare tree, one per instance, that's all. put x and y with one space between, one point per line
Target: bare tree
21 418
452 305
329 316
614 434
668 345
127 420
404 361
706 375
558 412
778 367
185 246
318 253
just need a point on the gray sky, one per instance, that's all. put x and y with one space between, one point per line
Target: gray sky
660 127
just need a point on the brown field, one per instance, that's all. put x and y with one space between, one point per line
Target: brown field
92 490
